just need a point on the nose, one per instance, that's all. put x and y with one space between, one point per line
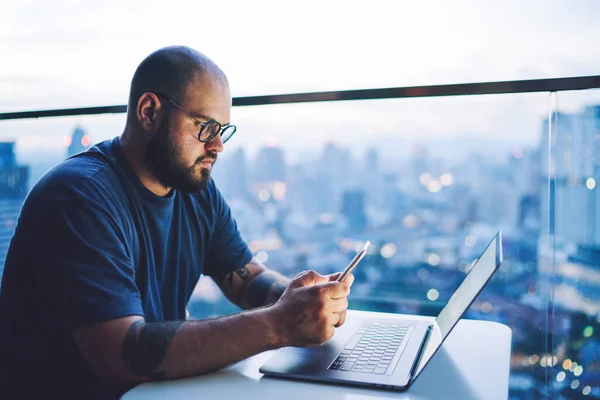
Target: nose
215 144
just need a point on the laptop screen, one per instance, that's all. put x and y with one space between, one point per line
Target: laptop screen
459 302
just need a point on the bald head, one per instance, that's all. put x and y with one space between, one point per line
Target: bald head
170 71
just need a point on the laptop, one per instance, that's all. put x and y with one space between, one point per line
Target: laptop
386 353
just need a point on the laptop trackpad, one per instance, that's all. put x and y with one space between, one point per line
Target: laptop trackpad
299 360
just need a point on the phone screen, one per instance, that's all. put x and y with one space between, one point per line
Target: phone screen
359 256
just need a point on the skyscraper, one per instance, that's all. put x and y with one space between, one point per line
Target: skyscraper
231 173
572 161
269 174
570 210
525 177
335 175
269 165
353 208
373 180
498 203
372 161
79 141
13 189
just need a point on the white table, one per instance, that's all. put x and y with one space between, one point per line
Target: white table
473 363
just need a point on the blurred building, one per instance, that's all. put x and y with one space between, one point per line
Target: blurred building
570 251
269 165
373 180
13 189
464 203
498 204
268 174
232 175
335 176
574 172
419 163
353 208
309 194
78 142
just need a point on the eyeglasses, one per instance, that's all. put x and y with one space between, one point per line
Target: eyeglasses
209 129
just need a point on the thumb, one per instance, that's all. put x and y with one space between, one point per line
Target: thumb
308 278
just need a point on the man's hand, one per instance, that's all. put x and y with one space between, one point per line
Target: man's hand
310 308
349 279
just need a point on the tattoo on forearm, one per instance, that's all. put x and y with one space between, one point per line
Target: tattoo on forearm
241 272
260 287
278 289
143 353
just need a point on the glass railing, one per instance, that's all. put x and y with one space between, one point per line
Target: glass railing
428 181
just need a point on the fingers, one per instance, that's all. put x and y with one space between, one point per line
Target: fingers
349 279
341 320
333 277
335 289
308 278
326 335
338 305
336 311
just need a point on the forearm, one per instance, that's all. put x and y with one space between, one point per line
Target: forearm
156 351
264 289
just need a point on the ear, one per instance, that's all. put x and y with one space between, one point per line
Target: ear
149 112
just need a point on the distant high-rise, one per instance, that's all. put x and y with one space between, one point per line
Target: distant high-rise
13 179
78 142
373 180
335 175
353 208
269 165
7 155
13 189
372 161
232 175
525 177
269 175
574 176
525 171
498 204
419 160
570 210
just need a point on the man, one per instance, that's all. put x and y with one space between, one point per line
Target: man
111 242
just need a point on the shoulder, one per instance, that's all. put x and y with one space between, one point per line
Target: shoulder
92 175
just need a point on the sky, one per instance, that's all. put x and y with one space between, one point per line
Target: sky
71 53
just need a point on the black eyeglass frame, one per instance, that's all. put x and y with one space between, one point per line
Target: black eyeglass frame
222 128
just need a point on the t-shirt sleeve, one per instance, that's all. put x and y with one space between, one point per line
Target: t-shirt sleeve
82 263
228 251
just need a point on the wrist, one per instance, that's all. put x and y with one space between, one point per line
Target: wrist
276 332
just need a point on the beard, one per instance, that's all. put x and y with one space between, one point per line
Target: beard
166 163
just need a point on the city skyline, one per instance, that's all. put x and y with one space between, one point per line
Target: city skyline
427 217
31 146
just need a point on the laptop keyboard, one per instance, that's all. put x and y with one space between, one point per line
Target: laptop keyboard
375 348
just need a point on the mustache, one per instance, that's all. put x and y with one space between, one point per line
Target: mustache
211 156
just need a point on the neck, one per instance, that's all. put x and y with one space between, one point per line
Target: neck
134 151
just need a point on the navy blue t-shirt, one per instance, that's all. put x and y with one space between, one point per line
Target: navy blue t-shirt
93 244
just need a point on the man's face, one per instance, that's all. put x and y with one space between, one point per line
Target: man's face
174 154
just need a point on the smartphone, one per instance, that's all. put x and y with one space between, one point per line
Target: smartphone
359 256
